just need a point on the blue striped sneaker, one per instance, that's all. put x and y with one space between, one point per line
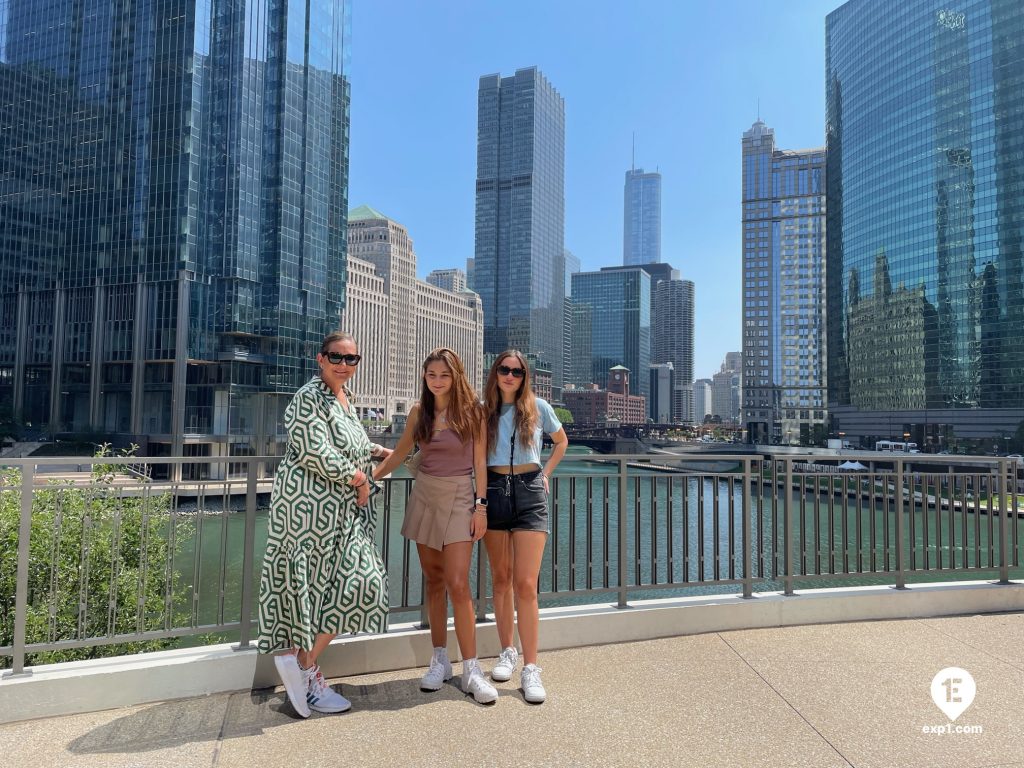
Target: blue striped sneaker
320 696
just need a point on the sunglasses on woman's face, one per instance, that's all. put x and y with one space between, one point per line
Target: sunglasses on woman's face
336 358
504 370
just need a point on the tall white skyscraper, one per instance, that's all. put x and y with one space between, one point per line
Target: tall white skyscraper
641 220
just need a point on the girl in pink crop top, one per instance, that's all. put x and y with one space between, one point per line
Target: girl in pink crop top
447 510
445 455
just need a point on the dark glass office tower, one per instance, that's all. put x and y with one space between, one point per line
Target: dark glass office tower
641 224
173 184
925 186
612 325
672 310
520 216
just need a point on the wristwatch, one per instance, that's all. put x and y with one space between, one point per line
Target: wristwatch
481 501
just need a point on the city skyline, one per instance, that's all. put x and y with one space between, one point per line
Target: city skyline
686 127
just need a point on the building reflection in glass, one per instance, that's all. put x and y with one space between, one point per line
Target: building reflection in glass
925 120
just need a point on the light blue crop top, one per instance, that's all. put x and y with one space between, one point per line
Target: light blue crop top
500 453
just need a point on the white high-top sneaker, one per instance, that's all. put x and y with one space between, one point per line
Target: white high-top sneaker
533 688
475 684
506 665
440 671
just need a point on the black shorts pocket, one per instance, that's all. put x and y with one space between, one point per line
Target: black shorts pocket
500 512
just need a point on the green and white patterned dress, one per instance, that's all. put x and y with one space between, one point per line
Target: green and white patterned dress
322 572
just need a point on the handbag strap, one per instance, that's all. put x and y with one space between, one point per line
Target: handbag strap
512 445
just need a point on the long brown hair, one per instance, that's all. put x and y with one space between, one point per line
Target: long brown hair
526 403
463 409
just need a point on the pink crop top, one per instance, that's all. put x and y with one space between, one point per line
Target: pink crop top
447 456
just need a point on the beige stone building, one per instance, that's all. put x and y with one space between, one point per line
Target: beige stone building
398 319
366 317
454 320
386 245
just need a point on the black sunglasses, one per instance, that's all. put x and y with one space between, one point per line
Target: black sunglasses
518 373
336 358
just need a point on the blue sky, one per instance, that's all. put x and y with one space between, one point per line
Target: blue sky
685 76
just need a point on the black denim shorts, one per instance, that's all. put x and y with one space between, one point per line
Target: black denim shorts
517 502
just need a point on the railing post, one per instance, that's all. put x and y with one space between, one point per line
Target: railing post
788 506
748 573
1004 522
622 534
245 617
424 613
901 577
481 604
21 589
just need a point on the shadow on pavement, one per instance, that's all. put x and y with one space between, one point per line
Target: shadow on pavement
235 715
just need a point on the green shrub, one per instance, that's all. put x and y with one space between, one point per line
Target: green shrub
100 564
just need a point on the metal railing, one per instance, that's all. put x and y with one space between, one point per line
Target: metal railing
106 559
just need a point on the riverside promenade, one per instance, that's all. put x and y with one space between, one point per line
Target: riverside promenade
847 694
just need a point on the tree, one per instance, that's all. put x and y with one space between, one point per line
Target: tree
99 565
564 415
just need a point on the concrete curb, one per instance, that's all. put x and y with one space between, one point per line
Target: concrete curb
88 686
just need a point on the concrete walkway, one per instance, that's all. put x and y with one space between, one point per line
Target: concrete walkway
853 694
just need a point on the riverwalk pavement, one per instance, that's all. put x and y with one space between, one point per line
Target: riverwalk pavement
852 694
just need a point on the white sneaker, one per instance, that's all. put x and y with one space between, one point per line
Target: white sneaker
506 665
533 688
294 681
475 684
440 671
320 696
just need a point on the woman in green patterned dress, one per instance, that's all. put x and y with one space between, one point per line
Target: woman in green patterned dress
322 574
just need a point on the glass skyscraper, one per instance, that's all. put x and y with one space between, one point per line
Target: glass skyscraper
925 126
519 261
641 224
783 291
672 310
612 325
173 184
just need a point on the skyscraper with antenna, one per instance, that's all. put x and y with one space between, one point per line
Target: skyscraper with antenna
641 220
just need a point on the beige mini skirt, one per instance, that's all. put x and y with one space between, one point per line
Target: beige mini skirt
440 510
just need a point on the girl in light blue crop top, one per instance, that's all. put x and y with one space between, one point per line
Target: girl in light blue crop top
501 452
517 510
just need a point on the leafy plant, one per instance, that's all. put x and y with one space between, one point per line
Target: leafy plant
101 564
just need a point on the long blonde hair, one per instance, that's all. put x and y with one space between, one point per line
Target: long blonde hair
527 416
463 408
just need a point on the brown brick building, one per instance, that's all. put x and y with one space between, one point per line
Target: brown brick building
593 405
